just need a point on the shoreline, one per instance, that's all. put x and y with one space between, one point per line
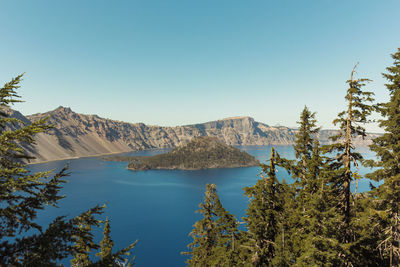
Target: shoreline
152 149
88 156
194 169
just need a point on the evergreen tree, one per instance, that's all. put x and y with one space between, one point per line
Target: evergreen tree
107 257
306 207
304 145
286 236
387 149
84 243
340 165
264 215
106 246
22 194
214 236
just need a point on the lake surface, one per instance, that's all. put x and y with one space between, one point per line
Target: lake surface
157 207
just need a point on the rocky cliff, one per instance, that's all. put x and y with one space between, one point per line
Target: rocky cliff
80 135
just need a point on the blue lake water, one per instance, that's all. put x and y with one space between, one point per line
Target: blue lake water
156 207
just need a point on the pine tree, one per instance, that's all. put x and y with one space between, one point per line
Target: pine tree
387 149
314 238
306 207
107 257
23 194
264 215
304 145
340 166
285 239
306 171
84 243
214 236
106 246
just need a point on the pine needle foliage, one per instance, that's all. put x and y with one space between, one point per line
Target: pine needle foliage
387 149
107 257
264 214
106 245
23 194
305 216
304 145
214 236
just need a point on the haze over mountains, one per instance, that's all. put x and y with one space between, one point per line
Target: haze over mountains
81 135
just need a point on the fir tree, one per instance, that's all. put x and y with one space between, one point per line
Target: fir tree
106 246
264 215
107 257
22 194
340 166
305 144
305 208
387 149
84 243
215 235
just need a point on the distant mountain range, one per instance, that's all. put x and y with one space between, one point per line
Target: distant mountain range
81 135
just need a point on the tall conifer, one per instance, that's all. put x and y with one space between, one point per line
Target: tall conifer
306 215
106 246
304 144
214 236
387 149
84 243
341 173
264 215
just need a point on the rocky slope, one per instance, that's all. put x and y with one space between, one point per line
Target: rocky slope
79 135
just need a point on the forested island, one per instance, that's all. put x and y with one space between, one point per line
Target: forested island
200 153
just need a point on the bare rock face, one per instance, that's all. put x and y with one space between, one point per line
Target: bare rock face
80 135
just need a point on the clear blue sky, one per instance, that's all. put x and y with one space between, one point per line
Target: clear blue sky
170 62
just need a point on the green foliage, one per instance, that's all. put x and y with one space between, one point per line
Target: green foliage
200 153
305 237
22 194
264 214
84 243
106 245
340 170
387 149
214 236
107 257
305 139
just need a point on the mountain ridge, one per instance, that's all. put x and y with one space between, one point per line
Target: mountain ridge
81 135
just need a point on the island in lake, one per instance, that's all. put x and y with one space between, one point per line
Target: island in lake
201 153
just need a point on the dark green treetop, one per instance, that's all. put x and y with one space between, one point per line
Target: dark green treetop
387 149
213 236
305 141
107 244
305 232
264 214
107 257
343 158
